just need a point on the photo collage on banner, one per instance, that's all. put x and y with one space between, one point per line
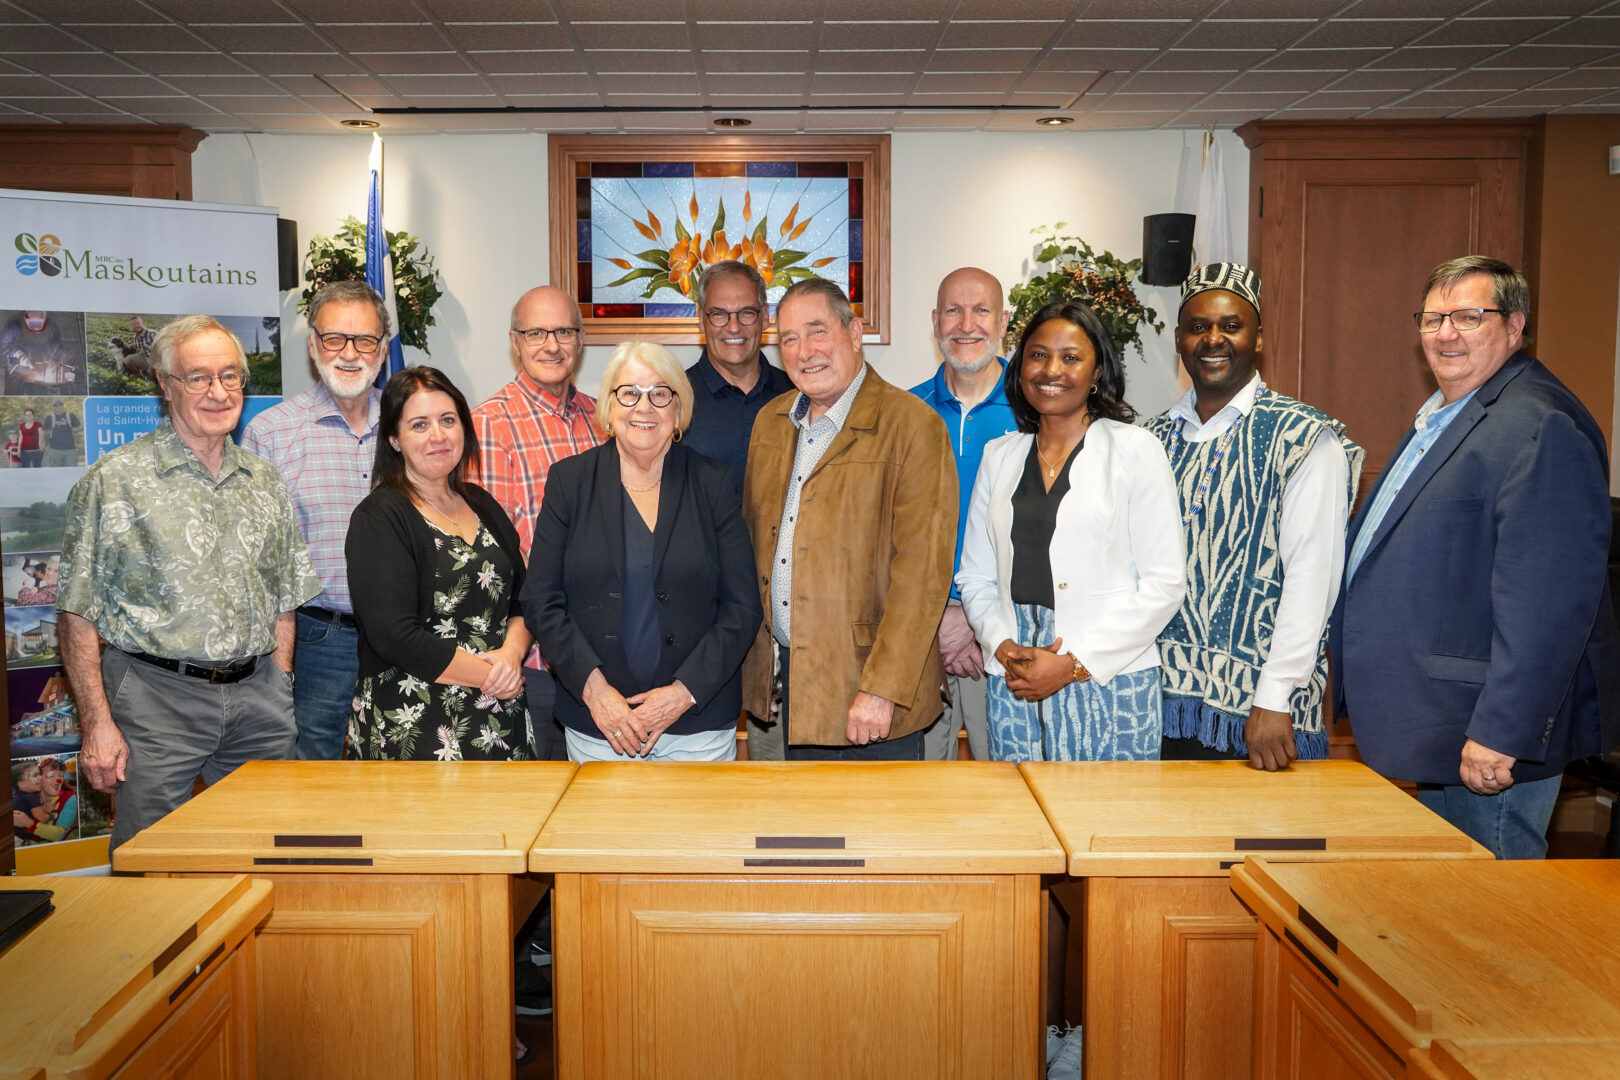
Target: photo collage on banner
86 285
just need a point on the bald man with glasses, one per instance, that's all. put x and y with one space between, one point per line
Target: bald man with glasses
525 428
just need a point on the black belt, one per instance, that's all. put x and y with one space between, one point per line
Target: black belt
326 615
234 671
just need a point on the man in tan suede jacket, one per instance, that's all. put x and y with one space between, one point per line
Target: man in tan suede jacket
851 500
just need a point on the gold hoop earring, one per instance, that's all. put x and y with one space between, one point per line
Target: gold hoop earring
677 434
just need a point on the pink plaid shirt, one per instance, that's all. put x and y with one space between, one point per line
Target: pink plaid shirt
327 469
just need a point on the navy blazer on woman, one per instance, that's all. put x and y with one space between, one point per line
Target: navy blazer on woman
1481 609
708 603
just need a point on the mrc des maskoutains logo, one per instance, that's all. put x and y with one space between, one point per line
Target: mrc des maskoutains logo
45 254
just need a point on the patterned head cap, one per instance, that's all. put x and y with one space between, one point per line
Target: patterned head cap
1233 277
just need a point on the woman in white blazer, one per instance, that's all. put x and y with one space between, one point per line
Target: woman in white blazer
1072 562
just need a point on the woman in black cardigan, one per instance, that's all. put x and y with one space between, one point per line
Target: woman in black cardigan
435 570
641 579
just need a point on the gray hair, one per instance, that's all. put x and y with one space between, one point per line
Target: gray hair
1510 293
349 292
828 290
724 269
177 332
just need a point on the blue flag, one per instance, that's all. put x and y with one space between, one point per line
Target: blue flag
379 264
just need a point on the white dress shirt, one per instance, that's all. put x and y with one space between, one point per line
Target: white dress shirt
1310 539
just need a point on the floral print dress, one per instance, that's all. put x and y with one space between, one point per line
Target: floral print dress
400 717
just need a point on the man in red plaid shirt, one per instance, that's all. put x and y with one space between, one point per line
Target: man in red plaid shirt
527 426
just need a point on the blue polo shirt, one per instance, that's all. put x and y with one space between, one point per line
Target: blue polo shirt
989 419
723 416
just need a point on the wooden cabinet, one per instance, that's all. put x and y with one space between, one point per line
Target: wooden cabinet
787 919
1168 951
1422 969
135 980
144 160
398 890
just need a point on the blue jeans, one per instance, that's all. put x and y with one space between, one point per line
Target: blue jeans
1512 824
326 664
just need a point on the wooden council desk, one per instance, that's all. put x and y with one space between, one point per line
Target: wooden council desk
1390 969
1169 952
133 979
798 919
389 953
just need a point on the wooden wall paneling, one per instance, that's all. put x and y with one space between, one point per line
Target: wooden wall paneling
144 161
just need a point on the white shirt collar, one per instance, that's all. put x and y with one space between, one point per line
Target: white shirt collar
1195 430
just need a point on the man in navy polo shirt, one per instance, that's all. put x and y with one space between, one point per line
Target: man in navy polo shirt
731 382
967 392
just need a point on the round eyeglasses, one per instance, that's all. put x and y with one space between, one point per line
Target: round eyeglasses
565 335
198 383
1463 319
627 394
719 317
363 343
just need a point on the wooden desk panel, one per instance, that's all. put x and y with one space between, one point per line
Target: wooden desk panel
134 979
389 953
787 919
1169 952
1446 1060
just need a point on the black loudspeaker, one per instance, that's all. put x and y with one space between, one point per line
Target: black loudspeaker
1167 248
287 254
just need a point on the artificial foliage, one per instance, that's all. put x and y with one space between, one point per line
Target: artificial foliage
1069 268
342 257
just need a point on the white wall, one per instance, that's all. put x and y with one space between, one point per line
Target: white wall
479 203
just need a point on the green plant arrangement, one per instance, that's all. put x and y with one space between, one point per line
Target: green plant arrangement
342 257
1099 279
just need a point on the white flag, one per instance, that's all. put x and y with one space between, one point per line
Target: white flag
1212 235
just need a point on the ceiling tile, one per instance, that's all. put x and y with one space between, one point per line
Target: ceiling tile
213 63
999 35
1198 118
1564 56
454 101
1169 81
654 101
874 121
1322 59
1262 102
91 63
240 84
1499 32
1595 77
438 84
541 101
1455 57
1122 34
1103 121
413 63
390 37
1365 33
477 36
357 11
649 84
862 84
620 35
1104 82
832 98
1266 9
294 38
1350 99
1044 101
1147 9
641 61
258 106
122 85
1412 113
74 107
886 9
12 86
1408 9
1453 99
1246 33
1549 99
90 11
982 59
624 9
1059 82
937 82
157 37
1388 79
41 39
1149 102
160 106
1209 59
1500 112
309 124
528 62
1497 78
1096 59
1604 30
1307 113
542 84
877 60
1297 81
1029 9
240 11
1569 8
723 83
756 62
881 35
747 10
742 36
957 100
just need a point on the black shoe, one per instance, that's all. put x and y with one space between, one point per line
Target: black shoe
532 990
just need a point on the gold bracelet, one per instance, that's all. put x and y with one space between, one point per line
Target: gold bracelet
1080 672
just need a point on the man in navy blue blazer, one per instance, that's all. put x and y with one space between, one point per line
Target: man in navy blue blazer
1474 622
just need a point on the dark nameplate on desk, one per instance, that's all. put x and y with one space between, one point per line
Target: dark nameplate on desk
20 911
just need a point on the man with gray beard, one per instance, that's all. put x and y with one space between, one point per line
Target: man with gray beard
968 393
323 442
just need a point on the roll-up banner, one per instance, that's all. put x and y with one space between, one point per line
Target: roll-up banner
86 282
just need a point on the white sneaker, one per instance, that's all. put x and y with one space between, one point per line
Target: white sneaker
1063 1054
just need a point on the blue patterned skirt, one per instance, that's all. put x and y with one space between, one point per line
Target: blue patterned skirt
1086 721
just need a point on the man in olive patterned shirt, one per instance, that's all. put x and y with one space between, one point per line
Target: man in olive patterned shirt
181 550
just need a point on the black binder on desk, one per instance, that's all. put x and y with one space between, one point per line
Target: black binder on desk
20 910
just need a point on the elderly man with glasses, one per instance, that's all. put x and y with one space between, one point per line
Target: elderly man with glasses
525 428
324 441
180 549
1473 637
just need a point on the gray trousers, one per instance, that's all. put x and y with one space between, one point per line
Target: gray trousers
965 709
179 728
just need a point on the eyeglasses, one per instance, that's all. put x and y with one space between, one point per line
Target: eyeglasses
719 317
363 343
1463 319
229 381
627 394
565 335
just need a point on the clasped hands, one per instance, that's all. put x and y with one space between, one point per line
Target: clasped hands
632 725
505 678
1035 672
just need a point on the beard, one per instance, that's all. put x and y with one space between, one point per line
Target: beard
971 366
341 384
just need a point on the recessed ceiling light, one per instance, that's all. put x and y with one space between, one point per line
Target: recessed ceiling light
359 123
1055 121
732 121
